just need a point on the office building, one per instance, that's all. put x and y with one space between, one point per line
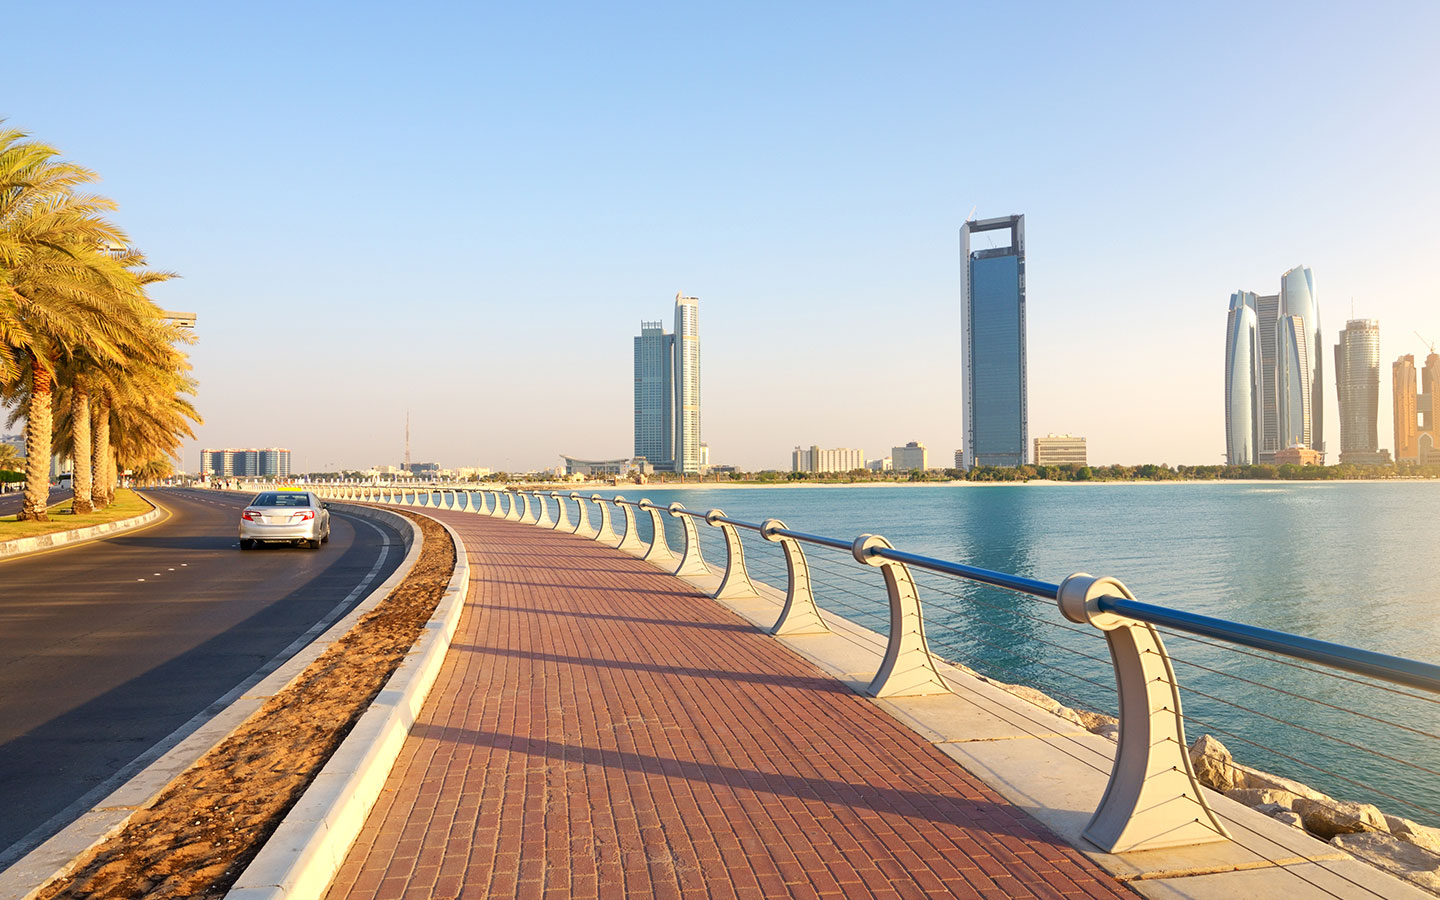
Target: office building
1357 388
654 394
816 461
271 462
911 457
1242 381
667 391
993 344
1284 376
1416 413
1299 382
1060 450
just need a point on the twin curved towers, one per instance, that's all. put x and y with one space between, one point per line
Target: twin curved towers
1274 371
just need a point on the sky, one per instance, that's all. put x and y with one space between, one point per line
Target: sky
465 210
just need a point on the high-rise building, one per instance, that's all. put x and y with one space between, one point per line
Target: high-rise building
814 459
271 462
1242 382
1285 378
1407 432
911 457
654 394
1357 388
667 391
1299 375
1060 450
687 384
1267 315
993 345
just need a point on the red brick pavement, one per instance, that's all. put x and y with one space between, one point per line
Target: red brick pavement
602 730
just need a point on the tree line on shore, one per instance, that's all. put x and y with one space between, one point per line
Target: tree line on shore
88 361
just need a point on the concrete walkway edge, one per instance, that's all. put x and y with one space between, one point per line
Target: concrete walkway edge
56 857
41 542
303 855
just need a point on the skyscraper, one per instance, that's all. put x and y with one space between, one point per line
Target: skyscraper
654 394
1299 381
997 431
1242 382
1357 388
1287 373
667 391
687 385
1402 374
1267 314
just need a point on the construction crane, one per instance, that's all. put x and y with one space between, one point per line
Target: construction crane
1430 344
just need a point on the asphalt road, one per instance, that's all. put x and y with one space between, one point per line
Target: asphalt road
111 651
10 503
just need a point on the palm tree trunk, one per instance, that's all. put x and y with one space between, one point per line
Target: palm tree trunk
80 451
100 452
37 446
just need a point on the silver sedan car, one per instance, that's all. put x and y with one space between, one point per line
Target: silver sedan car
286 515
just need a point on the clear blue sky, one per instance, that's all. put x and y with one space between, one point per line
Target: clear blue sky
471 209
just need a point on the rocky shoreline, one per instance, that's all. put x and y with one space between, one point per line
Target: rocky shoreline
1394 844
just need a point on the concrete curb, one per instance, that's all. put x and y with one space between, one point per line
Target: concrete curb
25 546
301 858
58 855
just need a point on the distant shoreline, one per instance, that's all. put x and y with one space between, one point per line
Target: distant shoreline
1034 482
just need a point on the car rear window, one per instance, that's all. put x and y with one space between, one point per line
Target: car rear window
272 498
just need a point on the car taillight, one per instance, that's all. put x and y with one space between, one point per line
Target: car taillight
250 515
305 516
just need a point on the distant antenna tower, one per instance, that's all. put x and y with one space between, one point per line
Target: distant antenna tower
407 440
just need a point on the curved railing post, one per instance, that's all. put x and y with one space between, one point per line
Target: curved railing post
692 561
528 516
606 534
908 669
1153 799
562 516
583 528
630 540
543 520
800 615
659 551
736 583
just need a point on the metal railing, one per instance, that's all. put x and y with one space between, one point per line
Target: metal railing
1153 798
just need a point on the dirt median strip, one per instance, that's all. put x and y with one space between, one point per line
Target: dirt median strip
206 826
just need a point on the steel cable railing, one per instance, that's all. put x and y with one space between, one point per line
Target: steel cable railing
968 618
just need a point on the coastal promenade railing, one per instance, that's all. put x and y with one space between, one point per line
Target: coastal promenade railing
1153 798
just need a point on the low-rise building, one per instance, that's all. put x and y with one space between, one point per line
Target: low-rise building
910 458
1060 450
879 465
1299 456
589 467
959 459
817 461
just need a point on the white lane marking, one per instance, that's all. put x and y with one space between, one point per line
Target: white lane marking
102 790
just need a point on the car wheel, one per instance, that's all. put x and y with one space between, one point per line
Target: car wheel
247 545
315 545
326 538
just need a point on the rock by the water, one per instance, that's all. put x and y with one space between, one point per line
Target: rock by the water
1213 764
1402 858
1422 836
1247 777
1258 797
1328 818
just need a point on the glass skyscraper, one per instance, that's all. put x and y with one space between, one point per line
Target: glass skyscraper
997 429
1299 382
1357 387
1242 382
667 391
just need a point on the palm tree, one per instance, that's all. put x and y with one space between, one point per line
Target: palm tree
64 292
9 458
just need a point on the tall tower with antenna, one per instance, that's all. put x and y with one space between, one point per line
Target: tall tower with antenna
407 440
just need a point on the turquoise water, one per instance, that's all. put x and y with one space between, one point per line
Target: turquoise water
1353 563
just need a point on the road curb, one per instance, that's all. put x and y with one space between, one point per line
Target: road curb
58 855
41 542
301 858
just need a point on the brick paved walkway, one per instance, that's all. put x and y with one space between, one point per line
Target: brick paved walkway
602 730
